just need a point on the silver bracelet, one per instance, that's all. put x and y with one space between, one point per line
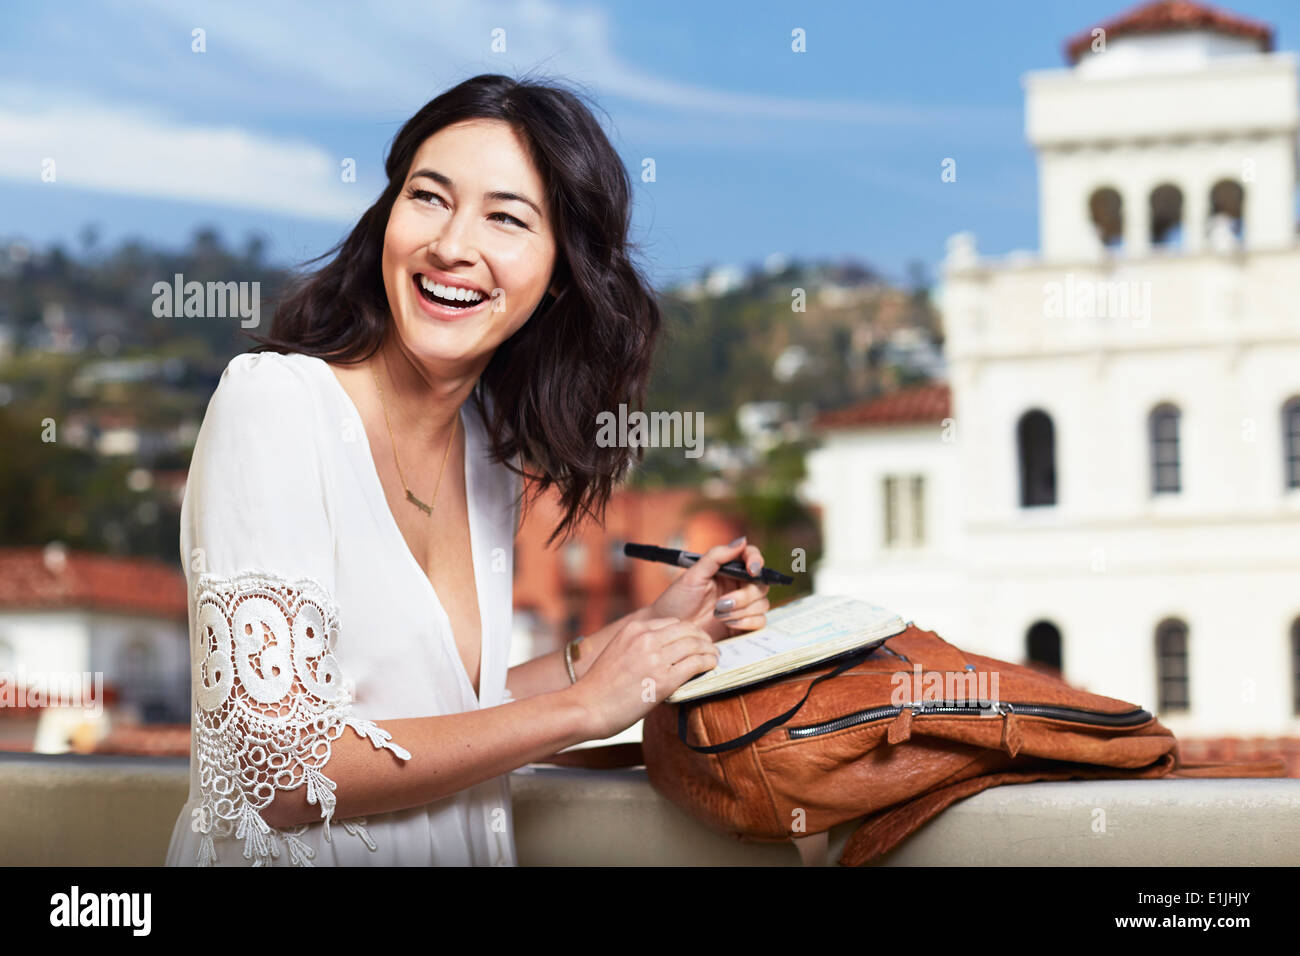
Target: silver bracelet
568 658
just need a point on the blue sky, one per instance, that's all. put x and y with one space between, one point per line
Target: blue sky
833 153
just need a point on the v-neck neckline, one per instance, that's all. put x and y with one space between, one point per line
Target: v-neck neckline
395 532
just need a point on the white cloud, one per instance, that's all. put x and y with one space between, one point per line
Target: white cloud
375 58
380 62
127 150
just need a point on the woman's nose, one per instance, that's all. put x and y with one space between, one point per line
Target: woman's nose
452 241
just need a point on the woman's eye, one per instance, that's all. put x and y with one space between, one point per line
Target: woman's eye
425 196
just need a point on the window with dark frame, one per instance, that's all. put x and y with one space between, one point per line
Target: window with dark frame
1171 666
1291 441
1295 666
1036 446
1043 645
1165 477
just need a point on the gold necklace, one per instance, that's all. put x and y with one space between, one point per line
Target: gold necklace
410 496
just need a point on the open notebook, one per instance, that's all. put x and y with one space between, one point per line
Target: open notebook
810 629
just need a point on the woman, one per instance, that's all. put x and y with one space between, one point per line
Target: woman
348 522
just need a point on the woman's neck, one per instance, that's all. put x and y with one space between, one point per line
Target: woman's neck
420 404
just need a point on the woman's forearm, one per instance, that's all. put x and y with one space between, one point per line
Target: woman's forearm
449 753
547 673
453 752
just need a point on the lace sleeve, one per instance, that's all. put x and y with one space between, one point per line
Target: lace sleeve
270 699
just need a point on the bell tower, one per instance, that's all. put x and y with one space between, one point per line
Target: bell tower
1173 129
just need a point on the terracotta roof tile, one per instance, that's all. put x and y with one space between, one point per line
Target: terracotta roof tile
930 403
91 581
1167 16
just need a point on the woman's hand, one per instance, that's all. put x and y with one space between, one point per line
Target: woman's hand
700 595
643 663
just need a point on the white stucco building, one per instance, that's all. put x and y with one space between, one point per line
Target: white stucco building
88 642
1112 481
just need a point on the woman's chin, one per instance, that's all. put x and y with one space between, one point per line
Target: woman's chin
438 345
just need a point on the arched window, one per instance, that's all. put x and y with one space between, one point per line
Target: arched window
1043 645
1227 207
1295 666
1166 216
1037 451
1291 442
1171 666
1163 434
1106 209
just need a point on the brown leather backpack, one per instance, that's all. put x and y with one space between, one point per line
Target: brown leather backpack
896 733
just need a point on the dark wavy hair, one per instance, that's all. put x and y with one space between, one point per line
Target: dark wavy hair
583 351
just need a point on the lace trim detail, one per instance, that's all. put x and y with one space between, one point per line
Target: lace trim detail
270 699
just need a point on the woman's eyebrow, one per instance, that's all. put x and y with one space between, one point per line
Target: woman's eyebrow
497 194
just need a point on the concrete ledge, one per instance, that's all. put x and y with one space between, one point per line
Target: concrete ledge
119 811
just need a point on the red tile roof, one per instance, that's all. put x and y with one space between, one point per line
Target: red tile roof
92 581
924 404
1167 16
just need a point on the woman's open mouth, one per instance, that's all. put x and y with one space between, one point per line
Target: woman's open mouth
447 302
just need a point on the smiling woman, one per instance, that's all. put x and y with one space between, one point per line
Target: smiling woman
347 527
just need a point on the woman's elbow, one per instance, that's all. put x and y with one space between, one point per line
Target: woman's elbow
289 808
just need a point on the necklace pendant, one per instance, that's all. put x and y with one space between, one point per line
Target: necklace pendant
418 503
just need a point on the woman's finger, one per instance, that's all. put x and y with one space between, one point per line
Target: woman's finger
740 598
748 622
707 566
751 612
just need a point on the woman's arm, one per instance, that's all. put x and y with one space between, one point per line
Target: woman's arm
547 673
452 752
448 754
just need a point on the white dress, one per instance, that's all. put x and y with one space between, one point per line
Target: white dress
310 618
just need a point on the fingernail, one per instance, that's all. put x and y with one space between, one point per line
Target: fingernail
755 567
726 604
736 542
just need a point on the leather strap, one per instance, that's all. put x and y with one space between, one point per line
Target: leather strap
767 725
928 649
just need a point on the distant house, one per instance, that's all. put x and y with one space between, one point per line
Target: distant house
123 621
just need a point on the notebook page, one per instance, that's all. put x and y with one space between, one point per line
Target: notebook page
813 619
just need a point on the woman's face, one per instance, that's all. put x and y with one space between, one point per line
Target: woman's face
472 212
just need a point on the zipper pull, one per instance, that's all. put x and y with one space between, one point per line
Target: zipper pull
1012 739
900 728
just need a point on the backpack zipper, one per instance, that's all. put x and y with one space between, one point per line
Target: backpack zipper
922 707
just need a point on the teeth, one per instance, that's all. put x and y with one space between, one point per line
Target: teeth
449 292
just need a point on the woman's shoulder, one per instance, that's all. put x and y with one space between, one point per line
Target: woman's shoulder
273 386
268 393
